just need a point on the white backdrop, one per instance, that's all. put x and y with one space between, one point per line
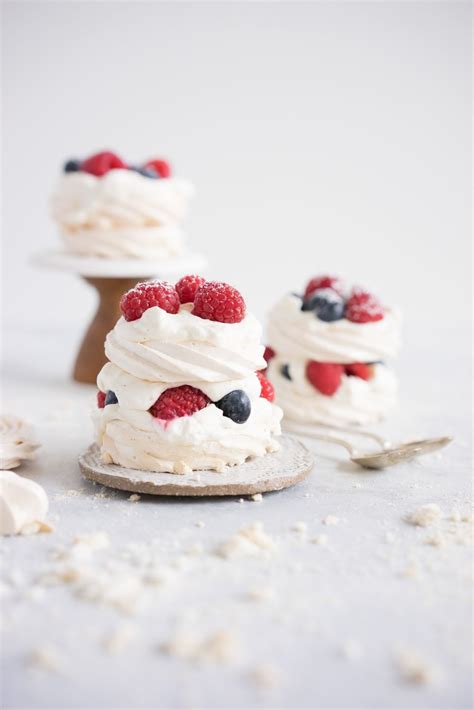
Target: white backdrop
320 136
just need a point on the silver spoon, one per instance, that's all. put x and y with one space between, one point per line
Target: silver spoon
382 459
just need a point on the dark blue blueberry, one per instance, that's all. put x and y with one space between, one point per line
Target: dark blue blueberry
110 398
235 405
72 166
326 304
285 371
145 171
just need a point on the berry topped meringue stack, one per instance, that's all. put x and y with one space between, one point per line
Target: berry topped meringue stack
107 208
183 389
327 354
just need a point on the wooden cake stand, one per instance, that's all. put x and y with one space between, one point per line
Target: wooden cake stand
110 278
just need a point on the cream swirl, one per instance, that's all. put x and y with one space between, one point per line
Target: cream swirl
206 440
301 336
119 198
134 242
182 348
357 401
133 393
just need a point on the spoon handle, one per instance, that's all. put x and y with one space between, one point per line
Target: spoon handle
311 433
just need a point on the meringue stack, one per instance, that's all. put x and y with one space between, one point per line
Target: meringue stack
121 214
298 337
162 350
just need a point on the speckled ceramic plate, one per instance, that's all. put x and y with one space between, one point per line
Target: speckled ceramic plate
273 472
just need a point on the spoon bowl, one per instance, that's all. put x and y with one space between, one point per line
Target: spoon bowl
404 452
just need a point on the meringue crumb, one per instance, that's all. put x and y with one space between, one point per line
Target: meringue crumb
390 538
261 594
299 527
265 675
120 639
134 498
357 485
257 497
352 650
331 520
221 647
247 542
45 658
436 540
455 516
241 500
425 516
93 541
411 571
37 526
200 524
414 669
320 540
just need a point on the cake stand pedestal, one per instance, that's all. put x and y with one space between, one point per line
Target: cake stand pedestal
110 278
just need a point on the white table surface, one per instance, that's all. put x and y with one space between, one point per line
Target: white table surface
359 592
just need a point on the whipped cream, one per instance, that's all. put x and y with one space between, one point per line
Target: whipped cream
22 502
357 401
182 348
162 350
301 336
102 215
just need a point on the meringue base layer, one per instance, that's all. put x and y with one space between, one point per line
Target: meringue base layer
205 440
126 242
357 401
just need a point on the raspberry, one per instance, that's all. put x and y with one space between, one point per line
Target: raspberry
100 163
179 402
101 399
324 376
135 302
317 282
219 302
360 369
269 354
187 287
363 307
267 391
162 167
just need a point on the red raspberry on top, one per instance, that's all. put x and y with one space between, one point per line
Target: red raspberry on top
324 376
363 307
179 402
162 167
318 282
187 287
360 369
219 302
267 391
135 302
101 399
100 163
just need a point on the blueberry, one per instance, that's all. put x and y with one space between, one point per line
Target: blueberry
72 166
235 405
145 171
110 398
285 371
326 304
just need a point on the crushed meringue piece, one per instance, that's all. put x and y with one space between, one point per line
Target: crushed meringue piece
414 668
320 539
425 516
22 503
299 527
257 497
134 498
45 658
331 520
265 675
250 541
221 647
120 639
17 442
